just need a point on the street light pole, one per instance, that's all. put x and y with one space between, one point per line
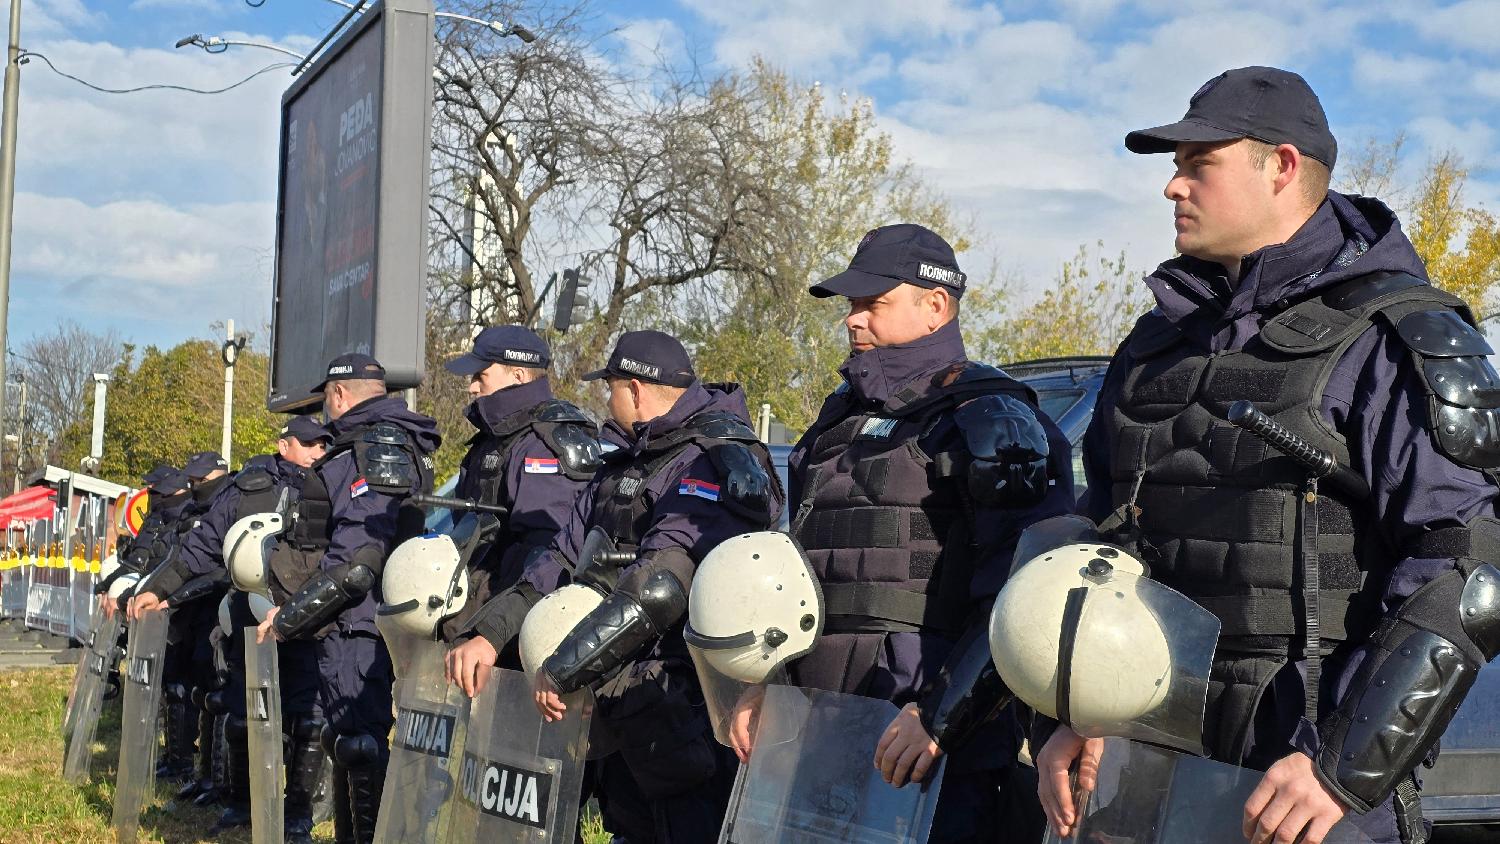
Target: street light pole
8 174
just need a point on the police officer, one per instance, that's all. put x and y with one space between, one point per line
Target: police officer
1354 615
688 474
912 487
324 570
168 492
188 662
266 483
533 454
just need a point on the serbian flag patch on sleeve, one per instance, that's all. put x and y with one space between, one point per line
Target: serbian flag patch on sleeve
702 489
541 466
358 488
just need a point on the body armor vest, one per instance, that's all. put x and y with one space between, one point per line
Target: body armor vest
622 507
1235 524
151 546
489 452
886 521
260 493
313 528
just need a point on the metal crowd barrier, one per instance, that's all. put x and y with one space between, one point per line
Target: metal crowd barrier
47 576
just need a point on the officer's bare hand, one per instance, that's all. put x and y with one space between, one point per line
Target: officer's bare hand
548 701
1053 766
743 720
107 605
468 665
906 752
142 604
267 630
1289 799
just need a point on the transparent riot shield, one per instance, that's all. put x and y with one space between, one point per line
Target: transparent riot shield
95 666
521 776
263 717
136 778
70 711
1146 794
431 716
812 778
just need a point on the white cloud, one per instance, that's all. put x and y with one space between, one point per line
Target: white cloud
650 42
52 17
1470 25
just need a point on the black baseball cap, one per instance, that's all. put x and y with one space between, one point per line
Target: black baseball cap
891 255
1267 104
203 463
351 367
511 345
305 430
159 471
170 483
648 356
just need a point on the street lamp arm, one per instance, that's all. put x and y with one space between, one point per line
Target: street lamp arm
520 32
216 44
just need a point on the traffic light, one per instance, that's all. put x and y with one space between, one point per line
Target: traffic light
571 307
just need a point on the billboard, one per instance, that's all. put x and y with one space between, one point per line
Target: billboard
351 216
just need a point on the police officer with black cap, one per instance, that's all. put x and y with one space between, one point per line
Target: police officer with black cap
168 493
188 664
1355 612
266 483
325 569
912 486
533 454
688 474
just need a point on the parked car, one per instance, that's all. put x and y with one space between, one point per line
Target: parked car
1462 791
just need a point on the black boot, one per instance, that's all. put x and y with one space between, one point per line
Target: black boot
202 781
365 759
219 765
304 771
237 769
343 822
181 731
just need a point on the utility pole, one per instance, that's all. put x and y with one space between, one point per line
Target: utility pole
20 434
8 175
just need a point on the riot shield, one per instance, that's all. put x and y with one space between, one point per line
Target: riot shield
263 717
812 778
95 665
136 778
521 776
1146 794
431 716
70 711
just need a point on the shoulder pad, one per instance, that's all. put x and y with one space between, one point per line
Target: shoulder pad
384 433
386 467
1361 291
746 487
558 410
578 450
978 372
1153 333
1441 334
1009 447
721 425
254 479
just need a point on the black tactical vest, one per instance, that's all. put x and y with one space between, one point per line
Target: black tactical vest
1237 525
622 505
887 523
566 431
312 528
259 492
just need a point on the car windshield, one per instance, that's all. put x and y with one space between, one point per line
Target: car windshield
1055 403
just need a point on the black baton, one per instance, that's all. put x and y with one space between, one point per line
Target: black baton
422 499
1319 463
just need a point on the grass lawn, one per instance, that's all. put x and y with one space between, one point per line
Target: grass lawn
36 806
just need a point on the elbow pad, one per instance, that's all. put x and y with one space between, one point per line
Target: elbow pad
967 695
201 586
1422 665
616 631
321 598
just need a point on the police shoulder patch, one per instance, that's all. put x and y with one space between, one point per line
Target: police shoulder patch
359 487
700 489
541 466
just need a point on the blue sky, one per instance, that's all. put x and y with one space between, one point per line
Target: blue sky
152 213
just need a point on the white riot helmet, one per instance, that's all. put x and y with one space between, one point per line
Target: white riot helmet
1081 634
552 619
247 550
755 605
109 565
259 606
123 584
425 582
